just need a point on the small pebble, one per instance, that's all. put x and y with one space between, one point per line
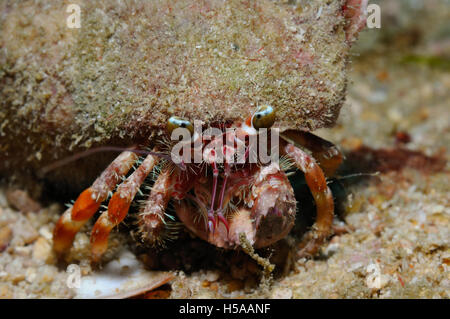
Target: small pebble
16 278
5 292
42 249
30 275
22 201
212 276
282 293
45 232
5 237
436 209
24 232
22 251
375 279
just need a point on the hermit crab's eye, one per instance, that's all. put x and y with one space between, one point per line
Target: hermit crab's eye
175 122
263 117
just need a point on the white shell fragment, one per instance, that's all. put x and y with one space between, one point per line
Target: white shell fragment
121 278
375 279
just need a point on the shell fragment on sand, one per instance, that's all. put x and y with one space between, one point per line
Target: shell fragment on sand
123 277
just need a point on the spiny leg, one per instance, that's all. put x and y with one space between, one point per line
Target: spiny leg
315 179
216 216
118 207
89 201
220 215
211 157
325 153
152 217
211 217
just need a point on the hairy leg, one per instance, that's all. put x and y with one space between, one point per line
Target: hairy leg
118 207
324 152
315 179
152 217
88 202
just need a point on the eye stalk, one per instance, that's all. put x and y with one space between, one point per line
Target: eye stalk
264 117
175 122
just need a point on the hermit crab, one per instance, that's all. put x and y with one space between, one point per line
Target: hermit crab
136 71
263 201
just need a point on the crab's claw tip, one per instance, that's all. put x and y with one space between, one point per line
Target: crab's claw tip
63 238
85 206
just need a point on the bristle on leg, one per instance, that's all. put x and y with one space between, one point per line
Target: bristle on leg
118 207
89 201
152 216
315 179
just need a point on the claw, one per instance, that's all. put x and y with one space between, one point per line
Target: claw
64 232
85 206
73 219
99 237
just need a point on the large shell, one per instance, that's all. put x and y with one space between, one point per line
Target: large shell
132 64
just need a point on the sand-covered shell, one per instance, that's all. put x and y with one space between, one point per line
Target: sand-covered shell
132 64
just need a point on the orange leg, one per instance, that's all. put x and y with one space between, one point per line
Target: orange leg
118 207
88 202
325 153
315 179
152 223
